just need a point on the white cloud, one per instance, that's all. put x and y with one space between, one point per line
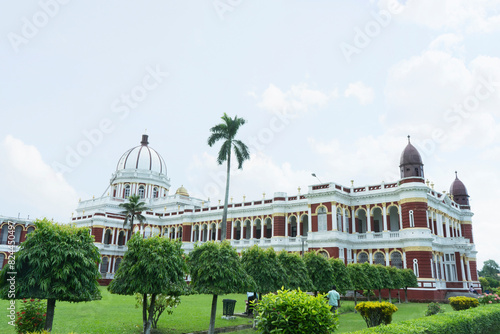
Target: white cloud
461 15
360 91
450 43
42 189
299 98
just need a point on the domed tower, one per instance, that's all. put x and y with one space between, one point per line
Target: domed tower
459 192
140 171
411 164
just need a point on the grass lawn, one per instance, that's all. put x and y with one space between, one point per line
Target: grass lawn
117 314
351 322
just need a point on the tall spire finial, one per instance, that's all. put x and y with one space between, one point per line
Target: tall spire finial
456 175
408 139
144 141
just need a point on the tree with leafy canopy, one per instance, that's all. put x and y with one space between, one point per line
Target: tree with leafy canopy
265 268
150 266
409 280
374 281
296 271
340 275
56 262
133 210
396 281
216 269
226 131
358 278
320 271
490 269
385 279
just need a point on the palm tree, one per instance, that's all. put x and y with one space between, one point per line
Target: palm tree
133 209
226 131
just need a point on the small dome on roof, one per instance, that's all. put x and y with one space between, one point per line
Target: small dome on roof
142 157
459 192
182 191
411 163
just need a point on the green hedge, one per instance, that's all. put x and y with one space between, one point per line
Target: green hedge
480 320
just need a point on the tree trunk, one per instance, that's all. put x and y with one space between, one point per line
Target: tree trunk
211 327
380 295
390 297
51 307
368 293
355 298
399 296
144 311
226 199
149 320
406 295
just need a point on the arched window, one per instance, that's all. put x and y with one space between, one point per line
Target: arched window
396 260
141 191
293 226
155 192
104 265
196 233
339 220
324 253
393 219
2 258
237 230
179 233
305 225
30 229
107 237
5 233
213 232
379 258
269 228
322 219
361 220
121 238
362 257
147 232
415 267
412 221
117 263
258 229
248 230
17 234
126 192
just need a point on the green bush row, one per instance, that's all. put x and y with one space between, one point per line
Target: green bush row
479 320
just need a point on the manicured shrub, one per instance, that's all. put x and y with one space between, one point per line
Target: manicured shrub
295 312
31 318
433 308
376 313
489 298
463 303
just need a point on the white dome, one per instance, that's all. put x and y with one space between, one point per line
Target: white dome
142 157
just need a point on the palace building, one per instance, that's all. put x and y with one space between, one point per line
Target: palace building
405 224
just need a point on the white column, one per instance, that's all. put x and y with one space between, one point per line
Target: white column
286 225
345 222
298 225
427 218
469 277
463 268
192 233
447 227
309 220
404 259
200 232
459 229
217 231
384 216
370 257
387 257
272 227
334 218
432 267
368 220
232 230
353 220
251 228
400 219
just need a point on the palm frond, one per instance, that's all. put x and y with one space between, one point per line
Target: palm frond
224 152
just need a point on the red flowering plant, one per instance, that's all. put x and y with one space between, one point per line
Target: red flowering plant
31 317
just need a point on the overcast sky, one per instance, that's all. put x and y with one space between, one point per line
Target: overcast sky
330 87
